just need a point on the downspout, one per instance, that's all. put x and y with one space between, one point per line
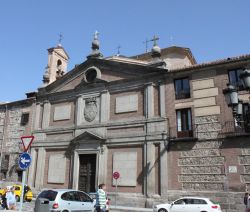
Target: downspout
3 138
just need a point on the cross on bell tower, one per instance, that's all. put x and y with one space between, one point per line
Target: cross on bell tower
156 50
154 39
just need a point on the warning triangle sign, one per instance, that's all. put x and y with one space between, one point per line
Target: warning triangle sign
27 141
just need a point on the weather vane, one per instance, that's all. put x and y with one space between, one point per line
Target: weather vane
60 39
118 50
146 44
96 35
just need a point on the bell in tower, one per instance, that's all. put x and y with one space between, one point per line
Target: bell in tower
57 63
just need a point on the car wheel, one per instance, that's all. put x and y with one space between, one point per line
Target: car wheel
17 198
162 210
65 211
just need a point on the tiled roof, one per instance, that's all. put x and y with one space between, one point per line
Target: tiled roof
216 62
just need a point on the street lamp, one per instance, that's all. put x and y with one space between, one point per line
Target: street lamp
231 95
245 78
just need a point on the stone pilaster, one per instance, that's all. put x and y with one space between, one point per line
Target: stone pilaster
162 100
149 100
32 168
105 106
46 114
150 169
37 116
102 170
40 168
163 170
75 177
80 102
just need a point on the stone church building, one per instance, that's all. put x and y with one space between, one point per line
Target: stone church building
158 118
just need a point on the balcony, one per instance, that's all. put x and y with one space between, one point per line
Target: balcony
183 135
232 129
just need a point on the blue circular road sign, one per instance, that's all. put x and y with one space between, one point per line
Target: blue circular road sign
24 161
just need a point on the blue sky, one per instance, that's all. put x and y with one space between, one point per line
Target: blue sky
212 29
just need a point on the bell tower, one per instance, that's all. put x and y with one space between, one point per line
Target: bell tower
57 63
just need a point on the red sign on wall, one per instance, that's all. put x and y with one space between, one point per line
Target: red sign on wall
116 175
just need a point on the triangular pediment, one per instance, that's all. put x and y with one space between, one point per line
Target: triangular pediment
110 71
88 136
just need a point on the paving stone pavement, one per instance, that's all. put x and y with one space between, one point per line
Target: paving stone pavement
27 207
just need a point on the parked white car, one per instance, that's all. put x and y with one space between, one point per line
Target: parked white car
189 204
65 200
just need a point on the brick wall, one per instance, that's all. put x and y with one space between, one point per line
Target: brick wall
138 188
46 170
126 115
62 122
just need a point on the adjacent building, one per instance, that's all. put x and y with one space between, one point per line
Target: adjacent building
159 118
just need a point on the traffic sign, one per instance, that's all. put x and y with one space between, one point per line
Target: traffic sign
116 175
24 161
27 141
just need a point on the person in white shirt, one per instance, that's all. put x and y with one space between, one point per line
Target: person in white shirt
11 199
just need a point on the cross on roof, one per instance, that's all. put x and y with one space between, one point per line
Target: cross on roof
154 39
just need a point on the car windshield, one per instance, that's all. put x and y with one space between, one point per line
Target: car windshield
48 194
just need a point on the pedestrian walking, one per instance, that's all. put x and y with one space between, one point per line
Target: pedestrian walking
11 199
101 198
4 200
246 199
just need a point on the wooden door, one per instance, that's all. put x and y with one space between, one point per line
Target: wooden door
87 172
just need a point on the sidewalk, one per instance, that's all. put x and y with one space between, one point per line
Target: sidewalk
129 209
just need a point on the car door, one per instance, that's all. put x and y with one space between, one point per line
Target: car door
69 201
200 204
85 203
191 205
178 206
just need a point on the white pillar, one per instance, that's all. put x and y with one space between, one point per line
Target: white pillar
162 100
163 170
32 167
46 114
76 170
149 100
80 102
37 116
151 169
40 168
105 106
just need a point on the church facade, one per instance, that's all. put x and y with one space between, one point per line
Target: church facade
159 119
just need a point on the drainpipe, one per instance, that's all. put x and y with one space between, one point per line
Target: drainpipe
3 138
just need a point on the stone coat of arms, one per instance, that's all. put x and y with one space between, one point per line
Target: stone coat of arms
90 110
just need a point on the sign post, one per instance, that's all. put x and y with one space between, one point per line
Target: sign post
116 176
24 162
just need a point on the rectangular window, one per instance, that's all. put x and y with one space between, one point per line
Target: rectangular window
234 78
184 123
24 119
182 88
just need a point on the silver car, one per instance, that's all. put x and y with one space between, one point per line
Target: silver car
64 200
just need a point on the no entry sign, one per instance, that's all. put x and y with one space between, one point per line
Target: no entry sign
116 175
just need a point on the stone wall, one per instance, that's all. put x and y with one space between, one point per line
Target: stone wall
202 167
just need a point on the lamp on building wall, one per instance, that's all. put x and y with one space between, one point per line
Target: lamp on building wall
231 95
245 78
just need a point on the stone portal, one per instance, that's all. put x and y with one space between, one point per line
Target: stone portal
87 172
